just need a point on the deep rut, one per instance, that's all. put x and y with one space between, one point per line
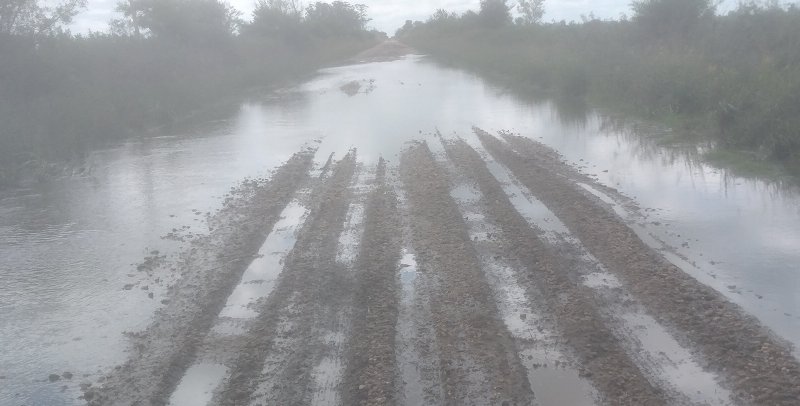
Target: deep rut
758 366
311 288
210 270
410 289
604 361
370 374
479 361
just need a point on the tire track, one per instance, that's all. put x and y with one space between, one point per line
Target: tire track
211 268
369 378
479 361
758 365
282 348
603 360
337 332
551 367
647 342
418 374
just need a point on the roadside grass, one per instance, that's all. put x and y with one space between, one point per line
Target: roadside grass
68 95
733 83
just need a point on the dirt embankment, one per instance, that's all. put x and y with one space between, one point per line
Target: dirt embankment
757 365
210 269
388 50
479 361
602 359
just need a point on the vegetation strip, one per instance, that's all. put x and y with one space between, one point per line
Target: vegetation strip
211 269
758 365
315 285
602 358
729 76
369 378
472 338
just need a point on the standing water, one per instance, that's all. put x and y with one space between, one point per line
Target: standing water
68 262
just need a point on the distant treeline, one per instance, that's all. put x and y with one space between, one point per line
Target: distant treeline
733 77
160 61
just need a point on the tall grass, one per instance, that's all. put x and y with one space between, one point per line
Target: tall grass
735 79
62 95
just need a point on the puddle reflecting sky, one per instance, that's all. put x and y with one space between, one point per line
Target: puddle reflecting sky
69 245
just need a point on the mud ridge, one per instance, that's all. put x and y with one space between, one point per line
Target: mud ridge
602 358
479 361
369 378
210 269
757 365
312 290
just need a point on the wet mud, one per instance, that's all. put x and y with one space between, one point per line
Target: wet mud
210 269
603 360
479 362
370 375
758 366
489 272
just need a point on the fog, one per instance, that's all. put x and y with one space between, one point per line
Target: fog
210 202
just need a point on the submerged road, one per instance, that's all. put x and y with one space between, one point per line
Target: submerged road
388 241
425 283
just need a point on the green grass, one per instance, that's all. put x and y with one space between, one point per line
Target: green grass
733 82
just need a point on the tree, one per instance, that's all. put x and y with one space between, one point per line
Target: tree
277 17
495 13
35 17
531 12
337 18
186 21
671 18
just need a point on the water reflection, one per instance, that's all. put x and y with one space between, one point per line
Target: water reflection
71 245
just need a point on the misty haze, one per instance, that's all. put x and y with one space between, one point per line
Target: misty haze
448 202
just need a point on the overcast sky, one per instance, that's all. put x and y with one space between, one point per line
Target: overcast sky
389 15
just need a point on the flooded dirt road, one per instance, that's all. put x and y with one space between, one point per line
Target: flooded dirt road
399 233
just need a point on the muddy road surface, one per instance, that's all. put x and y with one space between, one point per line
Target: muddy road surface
476 270
393 232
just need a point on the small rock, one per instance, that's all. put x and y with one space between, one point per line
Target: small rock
67 375
54 377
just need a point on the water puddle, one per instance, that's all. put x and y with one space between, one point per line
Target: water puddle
533 210
655 348
410 380
327 374
646 346
621 212
552 378
674 362
416 349
349 240
73 240
259 279
198 385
